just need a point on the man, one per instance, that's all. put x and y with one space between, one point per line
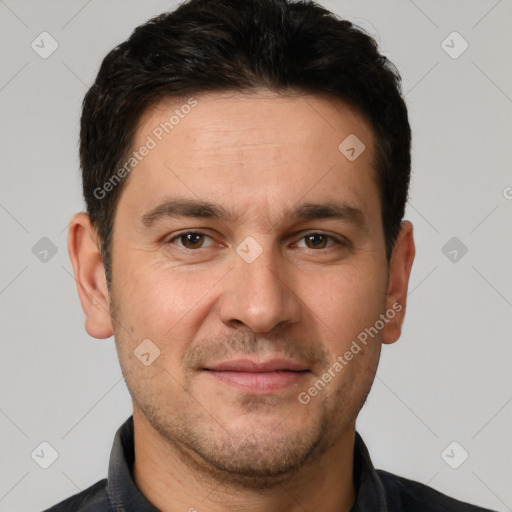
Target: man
245 168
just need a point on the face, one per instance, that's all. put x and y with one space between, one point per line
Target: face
249 250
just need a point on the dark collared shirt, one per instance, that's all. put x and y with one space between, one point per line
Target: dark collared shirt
376 490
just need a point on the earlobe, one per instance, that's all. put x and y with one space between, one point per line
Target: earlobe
399 272
85 254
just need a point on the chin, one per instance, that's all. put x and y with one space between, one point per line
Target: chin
260 459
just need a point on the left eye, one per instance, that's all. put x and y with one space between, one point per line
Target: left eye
194 240
318 240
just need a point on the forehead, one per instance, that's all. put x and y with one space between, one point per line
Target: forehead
255 118
243 147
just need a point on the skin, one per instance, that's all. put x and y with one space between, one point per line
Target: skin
201 442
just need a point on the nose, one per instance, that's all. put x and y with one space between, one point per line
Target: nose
260 294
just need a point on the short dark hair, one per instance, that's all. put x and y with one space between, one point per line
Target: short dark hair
241 45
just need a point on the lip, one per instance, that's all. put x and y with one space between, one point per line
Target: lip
259 377
248 365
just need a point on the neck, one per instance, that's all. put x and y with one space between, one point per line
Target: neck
170 477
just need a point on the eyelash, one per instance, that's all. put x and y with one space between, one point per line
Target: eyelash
337 241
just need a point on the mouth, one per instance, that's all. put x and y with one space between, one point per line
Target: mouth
259 377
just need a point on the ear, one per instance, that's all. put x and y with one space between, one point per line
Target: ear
85 254
399 271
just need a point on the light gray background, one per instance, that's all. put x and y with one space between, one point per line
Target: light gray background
447 379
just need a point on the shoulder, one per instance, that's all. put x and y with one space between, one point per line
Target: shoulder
410 496
92 499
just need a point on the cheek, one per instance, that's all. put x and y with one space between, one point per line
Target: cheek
347 301
163 301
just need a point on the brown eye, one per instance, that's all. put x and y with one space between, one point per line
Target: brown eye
315 241
191 240
318 240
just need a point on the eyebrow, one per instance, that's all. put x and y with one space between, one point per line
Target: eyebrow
183 207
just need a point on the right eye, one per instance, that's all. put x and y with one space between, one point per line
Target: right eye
190 240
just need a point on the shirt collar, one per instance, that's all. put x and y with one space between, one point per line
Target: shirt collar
370 492
125 496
